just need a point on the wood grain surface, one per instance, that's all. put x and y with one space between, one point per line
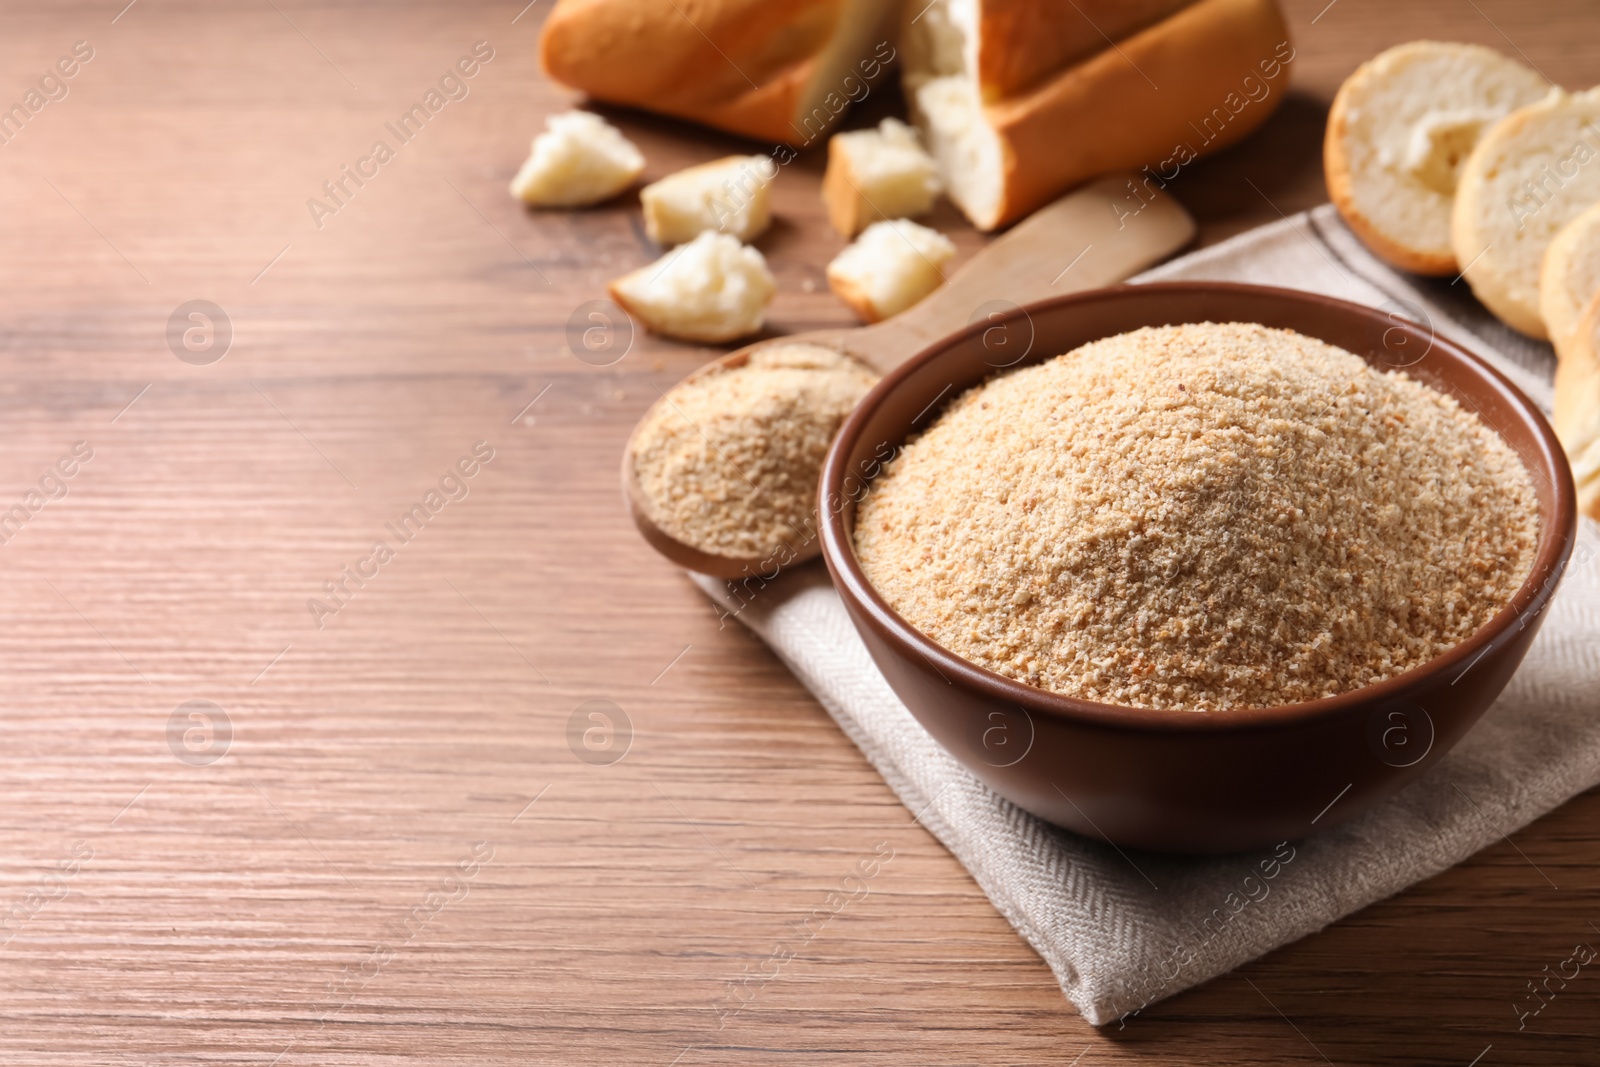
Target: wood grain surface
377 843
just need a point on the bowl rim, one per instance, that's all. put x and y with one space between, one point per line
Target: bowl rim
1557 534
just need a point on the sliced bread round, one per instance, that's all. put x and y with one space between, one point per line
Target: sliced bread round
1401 127
1533 172
1570 276
1577 408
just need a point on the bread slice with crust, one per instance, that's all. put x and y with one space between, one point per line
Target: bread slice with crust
1401 128
1532 172
781 72
1577 408
1570 275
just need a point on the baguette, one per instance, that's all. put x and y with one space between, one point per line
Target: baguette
1532 172
1570 275
1196 81
781 72
1400 129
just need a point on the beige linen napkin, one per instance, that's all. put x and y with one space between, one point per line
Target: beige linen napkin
1122 930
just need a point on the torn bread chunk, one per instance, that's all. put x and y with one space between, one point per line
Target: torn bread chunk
712 289
580 159
881 173
728 195
1532 172
892 265
1399 132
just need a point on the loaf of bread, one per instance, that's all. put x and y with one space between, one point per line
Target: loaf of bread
1531 173
782 72
1577 409
1570 275
1018 100
1401 128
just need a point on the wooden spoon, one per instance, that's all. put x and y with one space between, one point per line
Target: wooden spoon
1095 236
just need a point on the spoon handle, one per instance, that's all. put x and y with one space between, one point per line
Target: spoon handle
1097 235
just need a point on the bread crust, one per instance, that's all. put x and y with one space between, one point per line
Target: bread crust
1023 42
855 298
745 66
1104 115
840 191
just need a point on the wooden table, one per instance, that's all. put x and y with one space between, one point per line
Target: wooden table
374 842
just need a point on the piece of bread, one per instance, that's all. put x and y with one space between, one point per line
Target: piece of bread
580 159
1569 277
781 72
1399 132
727 195
878 174
892 265
712 289
1577 408
1189 84
1533 172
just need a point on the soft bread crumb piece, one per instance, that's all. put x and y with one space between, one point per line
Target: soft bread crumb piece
946 104
941 40
730 464
1200 517
712 289
878 174
728 195
1399 132
968 153
891 266
580 159
1533 172
1570 275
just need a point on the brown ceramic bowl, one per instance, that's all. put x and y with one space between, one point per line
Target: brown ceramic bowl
1169 780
